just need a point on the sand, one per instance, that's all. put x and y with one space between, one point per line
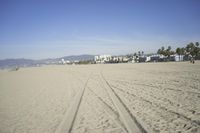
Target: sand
110 98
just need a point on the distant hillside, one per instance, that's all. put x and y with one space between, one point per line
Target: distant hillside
15 62
78 57
9 63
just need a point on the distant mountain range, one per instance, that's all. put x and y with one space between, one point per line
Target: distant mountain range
78 57
9 63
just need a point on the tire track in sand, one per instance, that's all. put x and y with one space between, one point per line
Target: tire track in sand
131 123
70 116
157 106
111 113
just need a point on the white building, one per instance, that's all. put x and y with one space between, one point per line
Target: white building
148 58
62 61
102 58
67 62
178 57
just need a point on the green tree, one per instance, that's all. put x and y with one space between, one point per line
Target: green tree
197 44
166 52
183 52
178 51
162 48
142 52
169 48
193 49
190 49
139 53
197 49
161 51
169 51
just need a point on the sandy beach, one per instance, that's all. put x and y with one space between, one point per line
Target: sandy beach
110 98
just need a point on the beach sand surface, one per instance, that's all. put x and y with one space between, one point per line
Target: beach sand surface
110 98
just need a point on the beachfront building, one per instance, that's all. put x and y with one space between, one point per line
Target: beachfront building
156 58
102 58
67 62
177 57
115 59
119 59
142 59
63 61
148 58
161 58
123 59
134 59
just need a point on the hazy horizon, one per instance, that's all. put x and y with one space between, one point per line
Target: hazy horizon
46 29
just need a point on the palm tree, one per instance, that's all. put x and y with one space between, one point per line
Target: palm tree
139 53
162 48
159 51
166 52
162 52
169 48
178 51
197 50
190 48
193 50
197 44
169 51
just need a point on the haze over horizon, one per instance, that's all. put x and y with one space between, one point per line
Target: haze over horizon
38 29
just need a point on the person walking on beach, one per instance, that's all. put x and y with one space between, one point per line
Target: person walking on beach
192 60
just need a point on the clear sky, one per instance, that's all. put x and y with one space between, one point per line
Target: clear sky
52 28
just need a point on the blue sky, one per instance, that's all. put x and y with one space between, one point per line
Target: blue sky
52 28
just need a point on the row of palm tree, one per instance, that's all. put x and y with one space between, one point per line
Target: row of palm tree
191 49
166 52
140 53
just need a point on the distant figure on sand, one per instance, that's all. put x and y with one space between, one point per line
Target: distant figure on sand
192 60
16 68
